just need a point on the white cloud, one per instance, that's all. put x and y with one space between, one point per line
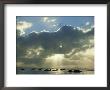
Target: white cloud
35 32
78 28
22 32
23 25
87 23
53 20
86 30
33 52
44 30
45 19
71 52
48 19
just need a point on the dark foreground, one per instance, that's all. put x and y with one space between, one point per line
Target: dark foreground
52 71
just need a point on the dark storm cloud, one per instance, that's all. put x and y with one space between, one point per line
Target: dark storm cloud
34 47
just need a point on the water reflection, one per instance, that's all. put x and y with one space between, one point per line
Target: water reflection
52 71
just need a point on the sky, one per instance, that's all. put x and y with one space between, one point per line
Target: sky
70 45
28 24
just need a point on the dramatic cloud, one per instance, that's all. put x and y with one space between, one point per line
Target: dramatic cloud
83 59
22 26
68 48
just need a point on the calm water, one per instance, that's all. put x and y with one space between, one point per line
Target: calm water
51 71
